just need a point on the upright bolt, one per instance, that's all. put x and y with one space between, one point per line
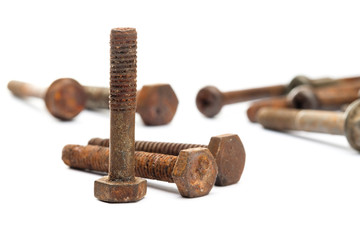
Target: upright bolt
64 98
332 97
193 171
337 123
121 185
210 100
227 149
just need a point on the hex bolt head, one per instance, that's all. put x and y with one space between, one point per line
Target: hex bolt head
65 98
195 172
209 101
157 104
229 154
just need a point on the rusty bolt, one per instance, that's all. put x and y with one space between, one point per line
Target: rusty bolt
275 102
337 123
64 98
121 185
227 149
210 100
332 97
193 171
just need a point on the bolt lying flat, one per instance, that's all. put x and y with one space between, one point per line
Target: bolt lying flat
210 100
66 98
275 102
337 123
193 171
121 185
227 149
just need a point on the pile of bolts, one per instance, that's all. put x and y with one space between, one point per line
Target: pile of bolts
331 106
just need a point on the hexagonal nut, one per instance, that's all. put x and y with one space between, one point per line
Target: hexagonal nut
229 154
303 97
65 98
119 192
195 172
209 101
298 81
157 104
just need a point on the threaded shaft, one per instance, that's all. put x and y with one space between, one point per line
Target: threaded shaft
122 103
95 158
154 147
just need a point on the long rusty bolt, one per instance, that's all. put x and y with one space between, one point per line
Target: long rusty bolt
227 149
65 98
193 171
210 100
331 97
121 185
337 123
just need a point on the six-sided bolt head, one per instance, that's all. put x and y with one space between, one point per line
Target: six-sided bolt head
229 154
195 172
209 101
65 98
157 104
119 191
352 124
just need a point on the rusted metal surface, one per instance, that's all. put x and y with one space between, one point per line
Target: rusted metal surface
275 102
337 123
210 100
227 149
156 103
193 171
64 98
331 97
121 185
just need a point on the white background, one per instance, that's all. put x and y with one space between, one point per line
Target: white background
294 186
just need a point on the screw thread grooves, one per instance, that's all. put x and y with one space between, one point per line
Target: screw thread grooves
123 69
96 158
155 147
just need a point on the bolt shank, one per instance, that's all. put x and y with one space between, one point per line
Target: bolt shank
22 89
253 93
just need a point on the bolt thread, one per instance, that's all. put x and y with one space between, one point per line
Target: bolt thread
154 147
96 158
123 69
122 103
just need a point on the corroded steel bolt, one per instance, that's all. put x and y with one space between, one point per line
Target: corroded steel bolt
275 102
332 97
64 98
156 103
193 171
210 100
121 185
227 149
337 123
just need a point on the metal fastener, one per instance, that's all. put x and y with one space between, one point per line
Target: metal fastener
275 102
332 97
121 185
210 100
337 123
227 149
64 98
193 171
